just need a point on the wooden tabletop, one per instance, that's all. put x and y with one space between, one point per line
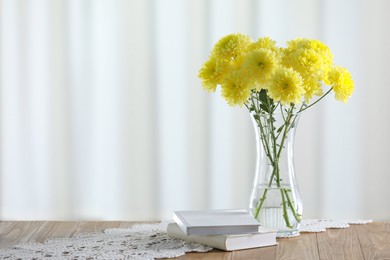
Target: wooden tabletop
369 241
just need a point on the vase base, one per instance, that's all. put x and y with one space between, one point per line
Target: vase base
273 217
287 233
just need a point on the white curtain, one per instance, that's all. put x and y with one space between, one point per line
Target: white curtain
103 117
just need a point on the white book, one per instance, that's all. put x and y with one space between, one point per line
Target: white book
227 242
216 222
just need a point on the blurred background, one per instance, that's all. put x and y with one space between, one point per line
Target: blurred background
102 115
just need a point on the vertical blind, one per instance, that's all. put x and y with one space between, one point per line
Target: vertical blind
102 115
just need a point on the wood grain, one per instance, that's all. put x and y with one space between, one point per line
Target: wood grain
374 239
302 247
56 229
12 233
339 244
370 241
264 253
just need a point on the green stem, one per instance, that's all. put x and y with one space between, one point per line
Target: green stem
264 195
295 118
291 206
262 134
285 132
268 153
286 196
318 100
260 203
286 128
271 122
274 162
285 214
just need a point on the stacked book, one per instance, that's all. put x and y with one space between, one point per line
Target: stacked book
227 230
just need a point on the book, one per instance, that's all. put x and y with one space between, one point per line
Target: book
216 222
265 237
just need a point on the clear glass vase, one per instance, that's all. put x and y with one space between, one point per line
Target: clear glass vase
275 201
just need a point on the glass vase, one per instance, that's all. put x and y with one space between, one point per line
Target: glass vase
275 200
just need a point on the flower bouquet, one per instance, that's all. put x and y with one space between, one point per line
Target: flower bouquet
275 84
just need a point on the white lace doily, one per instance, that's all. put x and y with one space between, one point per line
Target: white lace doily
145 241
320 225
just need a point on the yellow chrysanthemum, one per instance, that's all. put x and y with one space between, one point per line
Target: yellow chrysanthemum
325 54
312 87
305 61
315 45
211 74
259 66
311 58
231 46
289 74
341 81
235 89
264 43
286 86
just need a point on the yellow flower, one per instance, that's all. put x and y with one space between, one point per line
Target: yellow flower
305 61
341 81
311 58
235 89
286 86
315 45
211 74
259 66
231 46
326 56
289 74
312 87
264 43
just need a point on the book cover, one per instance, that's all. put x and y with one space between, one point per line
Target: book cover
213 222
226 242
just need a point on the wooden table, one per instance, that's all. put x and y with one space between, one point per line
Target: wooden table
369 241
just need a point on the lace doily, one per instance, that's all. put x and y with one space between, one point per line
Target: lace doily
145 241
320 225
